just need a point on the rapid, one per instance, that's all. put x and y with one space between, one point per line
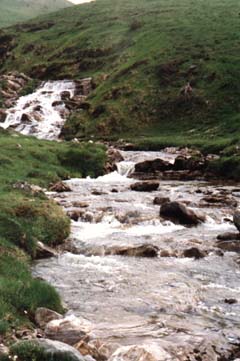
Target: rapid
186 305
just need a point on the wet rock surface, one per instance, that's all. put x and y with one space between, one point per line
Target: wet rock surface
147 186
69 330
179 213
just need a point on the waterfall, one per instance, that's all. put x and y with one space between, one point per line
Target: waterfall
43 112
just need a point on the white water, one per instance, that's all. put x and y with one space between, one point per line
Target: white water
169 300
34 114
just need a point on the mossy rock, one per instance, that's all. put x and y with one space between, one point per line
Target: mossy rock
45 350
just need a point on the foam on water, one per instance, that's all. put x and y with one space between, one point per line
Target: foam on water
35 114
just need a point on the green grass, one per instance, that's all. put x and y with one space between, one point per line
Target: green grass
27 217
140 54
14 11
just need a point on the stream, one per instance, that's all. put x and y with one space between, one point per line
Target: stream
170 300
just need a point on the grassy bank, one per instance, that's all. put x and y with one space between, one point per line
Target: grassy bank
141 53
27 216
15 11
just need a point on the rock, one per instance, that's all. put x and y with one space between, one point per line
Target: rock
145 250
147 186
161 200
236 220
4 350
141 353
220 199
189 163
193 252
80 204
113 157
43 251
48 350
229 246
43 316
3 115
179 213
25 118
151 166
69 330
60 187
87 349
228 236
230 301
26 187
75 215
65 95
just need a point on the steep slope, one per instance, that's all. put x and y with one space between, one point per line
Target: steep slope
141 54
14 11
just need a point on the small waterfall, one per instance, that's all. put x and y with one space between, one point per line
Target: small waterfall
125 168
43 112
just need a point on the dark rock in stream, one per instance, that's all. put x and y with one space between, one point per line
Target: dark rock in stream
193 252
161 200
215 200
236 220
179 213
145 250
147 186
189 163
151 166
228 236
229 246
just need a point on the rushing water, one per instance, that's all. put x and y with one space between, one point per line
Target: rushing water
168 300
133 299
41 113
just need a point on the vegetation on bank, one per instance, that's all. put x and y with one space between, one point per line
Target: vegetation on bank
27 216
141 55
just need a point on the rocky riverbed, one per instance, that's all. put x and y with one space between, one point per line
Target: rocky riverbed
151 269
150 284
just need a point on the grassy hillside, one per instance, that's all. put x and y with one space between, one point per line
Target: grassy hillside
27 216
141 53
13 11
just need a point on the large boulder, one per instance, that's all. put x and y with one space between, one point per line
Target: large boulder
236 220
44 349
69 330
151 166
180 214
43 316
189 163
147 186
141 353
